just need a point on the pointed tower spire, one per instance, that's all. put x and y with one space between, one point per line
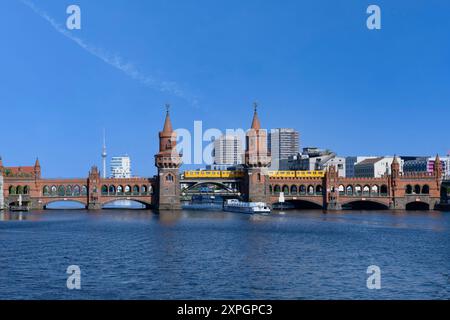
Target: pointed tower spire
37 169
167 123
395 167
256 125
437 166
395 161
168 161
437 157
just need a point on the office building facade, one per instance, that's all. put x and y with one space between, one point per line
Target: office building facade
120 167
228 151
282 144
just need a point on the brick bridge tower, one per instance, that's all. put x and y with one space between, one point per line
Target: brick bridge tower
94 189
168 162
395 202
257 161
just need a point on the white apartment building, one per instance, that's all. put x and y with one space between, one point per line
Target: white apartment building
374 167
228 150
120 167
338 163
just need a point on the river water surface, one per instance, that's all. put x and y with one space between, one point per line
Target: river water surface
134 254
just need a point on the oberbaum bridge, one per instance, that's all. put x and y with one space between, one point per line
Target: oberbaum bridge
24 186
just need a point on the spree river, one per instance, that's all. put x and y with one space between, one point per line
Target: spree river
134 254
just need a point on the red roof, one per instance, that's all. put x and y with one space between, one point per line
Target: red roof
21 169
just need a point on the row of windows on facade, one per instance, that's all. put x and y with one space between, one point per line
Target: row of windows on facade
349 190
83 190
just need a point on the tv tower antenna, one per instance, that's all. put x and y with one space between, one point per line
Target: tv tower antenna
104 154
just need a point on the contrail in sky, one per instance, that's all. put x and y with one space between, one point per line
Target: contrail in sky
116 61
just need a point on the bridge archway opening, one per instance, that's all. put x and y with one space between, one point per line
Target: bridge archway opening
364 205
416 189
319 189
294 189
303 205
384 190
65 205
445 192
125 204
417 206
208 187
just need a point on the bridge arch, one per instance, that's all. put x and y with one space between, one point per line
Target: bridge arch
417 206
306 204
69 191
146 204
61 200
294 189
375 190
366 191
302 189
417 189
205 183
277 189
408 189
319 189
364 205
349 190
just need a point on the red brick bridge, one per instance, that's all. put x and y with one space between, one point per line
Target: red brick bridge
163 191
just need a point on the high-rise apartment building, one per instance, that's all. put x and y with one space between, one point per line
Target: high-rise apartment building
120 167
282 144
228 150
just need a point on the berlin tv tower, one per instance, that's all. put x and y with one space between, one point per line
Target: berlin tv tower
104 154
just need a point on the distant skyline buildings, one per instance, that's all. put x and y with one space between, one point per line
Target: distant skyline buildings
282 144
374 167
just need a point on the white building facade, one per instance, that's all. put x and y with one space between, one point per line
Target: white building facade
120 167
228 151
375 167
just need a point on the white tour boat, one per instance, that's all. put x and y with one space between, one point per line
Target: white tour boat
234 205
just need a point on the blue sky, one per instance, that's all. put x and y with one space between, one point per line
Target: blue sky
311 65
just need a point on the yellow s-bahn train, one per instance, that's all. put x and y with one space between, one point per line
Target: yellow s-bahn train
211 174
228 174
297 174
